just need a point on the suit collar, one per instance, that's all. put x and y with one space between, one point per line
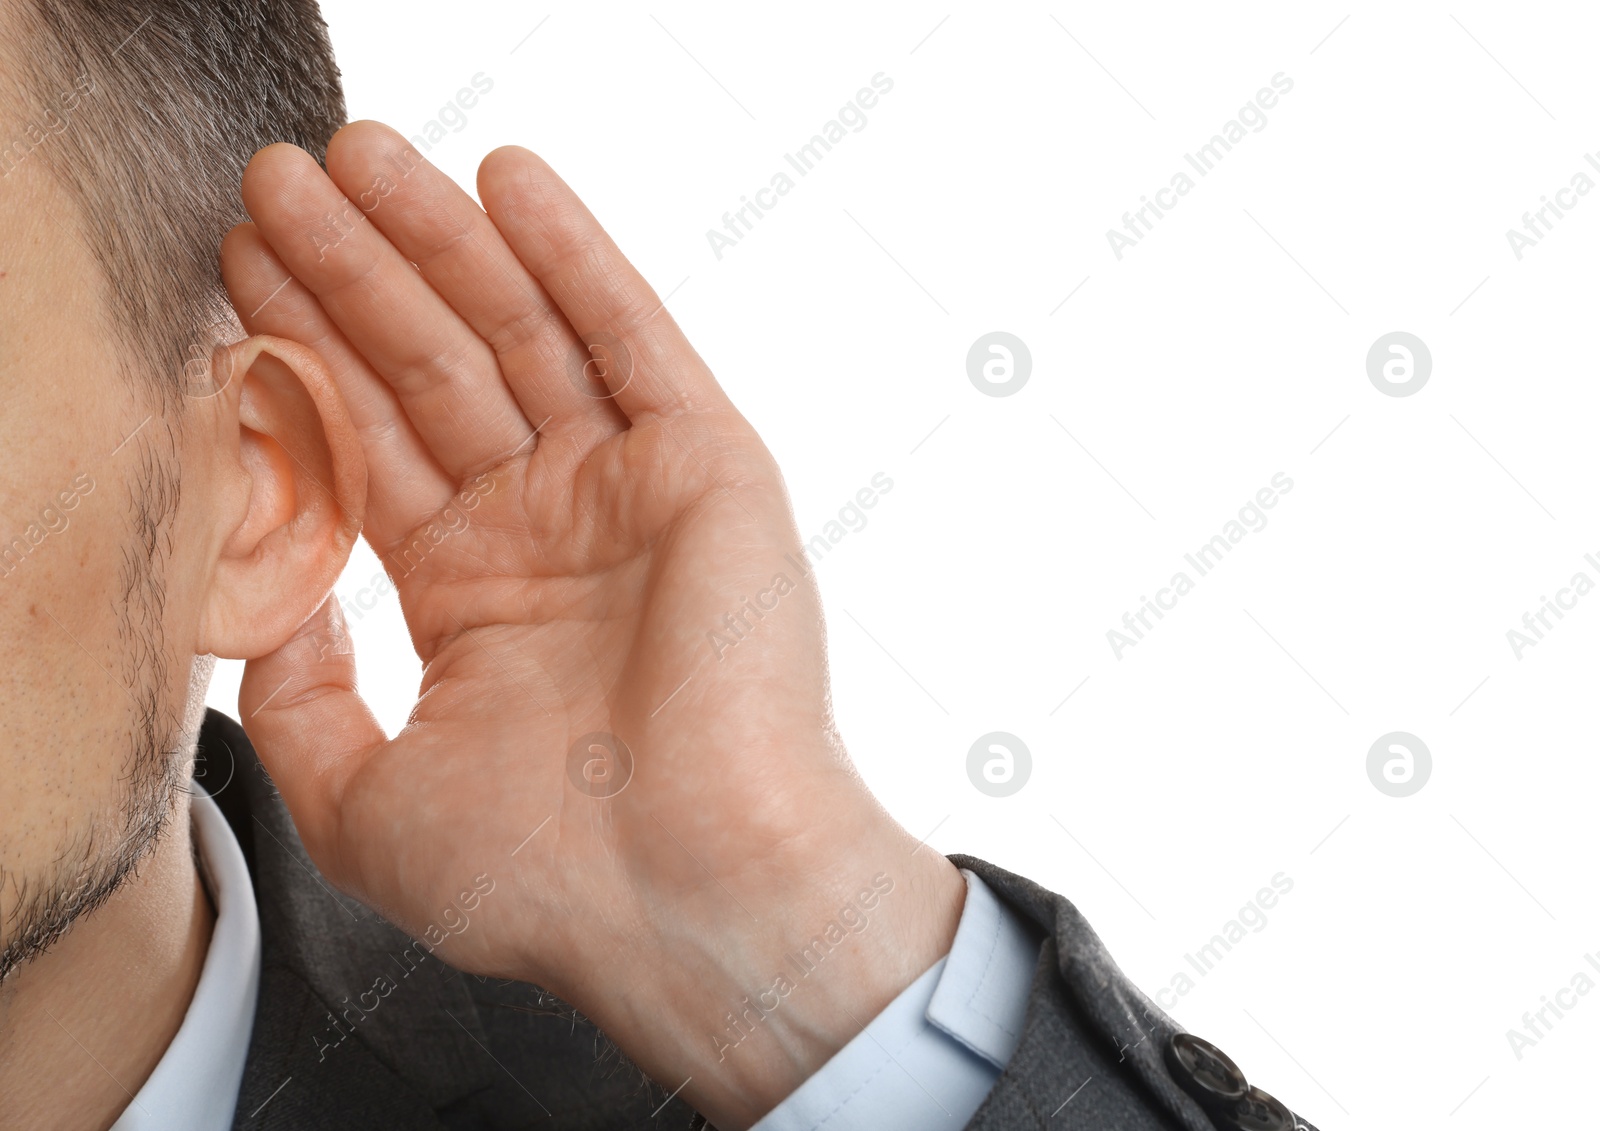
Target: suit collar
353 1015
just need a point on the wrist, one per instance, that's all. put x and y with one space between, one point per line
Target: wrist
745 1005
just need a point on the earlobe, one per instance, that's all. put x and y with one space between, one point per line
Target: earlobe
293 503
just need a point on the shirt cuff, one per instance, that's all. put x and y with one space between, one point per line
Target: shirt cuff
933 1055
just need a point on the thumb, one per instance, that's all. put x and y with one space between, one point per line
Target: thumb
311 729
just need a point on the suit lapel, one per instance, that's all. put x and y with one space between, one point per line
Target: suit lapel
356 1026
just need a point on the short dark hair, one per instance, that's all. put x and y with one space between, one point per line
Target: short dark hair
147 114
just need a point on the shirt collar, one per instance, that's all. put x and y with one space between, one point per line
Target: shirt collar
196 1083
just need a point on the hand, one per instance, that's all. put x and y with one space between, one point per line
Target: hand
593 550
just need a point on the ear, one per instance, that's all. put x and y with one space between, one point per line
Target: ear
290 491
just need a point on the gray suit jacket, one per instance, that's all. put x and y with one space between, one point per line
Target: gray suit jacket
441 1049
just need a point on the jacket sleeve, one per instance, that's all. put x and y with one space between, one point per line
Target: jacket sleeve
1096 1046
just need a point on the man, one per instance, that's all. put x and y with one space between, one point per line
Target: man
587 798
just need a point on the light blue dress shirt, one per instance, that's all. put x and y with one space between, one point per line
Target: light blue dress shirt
928 1060
931 1057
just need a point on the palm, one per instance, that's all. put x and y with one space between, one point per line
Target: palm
572 589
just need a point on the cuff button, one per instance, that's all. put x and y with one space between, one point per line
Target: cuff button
1258 1111
1205 1072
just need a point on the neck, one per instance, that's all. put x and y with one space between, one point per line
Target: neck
84 1025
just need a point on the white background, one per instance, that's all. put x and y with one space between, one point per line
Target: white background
1229 345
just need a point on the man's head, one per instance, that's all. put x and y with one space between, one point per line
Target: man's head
164 499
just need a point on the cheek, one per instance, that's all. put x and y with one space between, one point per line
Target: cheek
59 575
67 688
78 617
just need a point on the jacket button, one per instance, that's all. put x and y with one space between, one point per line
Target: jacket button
1206 1073
1258 1111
